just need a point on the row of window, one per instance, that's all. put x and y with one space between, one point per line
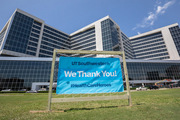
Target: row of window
61 43
35 35
83 42
82 33
33 39
84 38
32 44
55 34
149 45
50 44
87 48
85 45
151 56
148 42
128 53
42 55
31 48
152 52
37 23
46 52
56 31
37 27
30 53
47 48
128 49
124 36
127 46
160 58
150 49
85 33
147 37
81 55
56 38
36 31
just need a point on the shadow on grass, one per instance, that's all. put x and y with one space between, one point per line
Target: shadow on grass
137 104
76 109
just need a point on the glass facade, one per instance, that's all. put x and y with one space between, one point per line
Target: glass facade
150 47
19 33
2 35
84 41
29 35
175 33
153 70
25 33
34 38
20 73
110 36
127 46
53 39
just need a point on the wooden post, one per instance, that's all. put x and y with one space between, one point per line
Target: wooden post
127 80
51 80
88 52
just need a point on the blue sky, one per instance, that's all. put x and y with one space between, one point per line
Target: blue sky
133 16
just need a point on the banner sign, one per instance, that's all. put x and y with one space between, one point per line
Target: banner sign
89 75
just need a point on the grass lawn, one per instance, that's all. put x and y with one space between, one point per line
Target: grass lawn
147 105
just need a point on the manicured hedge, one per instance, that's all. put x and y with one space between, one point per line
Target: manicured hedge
46 91
12 91
24 91
130 88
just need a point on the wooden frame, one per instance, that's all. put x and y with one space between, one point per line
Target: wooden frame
121 53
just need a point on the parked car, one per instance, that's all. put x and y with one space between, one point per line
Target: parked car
141 88
153 87
42 89
22 90
179 82
6 90
32 91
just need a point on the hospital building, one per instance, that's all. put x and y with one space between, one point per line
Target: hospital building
27 44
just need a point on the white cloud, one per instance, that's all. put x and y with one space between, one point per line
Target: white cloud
161 9
152 16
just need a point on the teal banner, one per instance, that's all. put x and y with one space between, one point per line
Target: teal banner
89 75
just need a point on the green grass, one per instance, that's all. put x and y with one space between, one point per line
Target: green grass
147 105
